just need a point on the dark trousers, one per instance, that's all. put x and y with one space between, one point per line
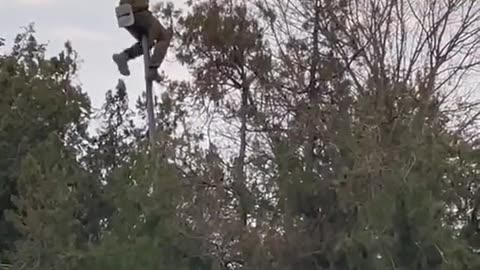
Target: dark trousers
158 37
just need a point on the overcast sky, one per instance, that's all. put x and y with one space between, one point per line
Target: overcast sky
91 27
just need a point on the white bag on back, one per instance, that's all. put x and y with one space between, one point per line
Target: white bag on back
125 16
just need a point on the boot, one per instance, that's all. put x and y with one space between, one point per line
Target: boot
153 75
121 59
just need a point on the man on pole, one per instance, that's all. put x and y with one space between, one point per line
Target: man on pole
158 38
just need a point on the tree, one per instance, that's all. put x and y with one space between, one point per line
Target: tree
353 114
38 98
313 134
48 211
146 229
117 137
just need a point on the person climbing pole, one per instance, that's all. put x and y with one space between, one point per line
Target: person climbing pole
158 37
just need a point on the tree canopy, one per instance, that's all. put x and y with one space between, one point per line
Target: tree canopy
339 135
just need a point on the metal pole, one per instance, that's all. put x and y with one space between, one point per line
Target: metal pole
148 82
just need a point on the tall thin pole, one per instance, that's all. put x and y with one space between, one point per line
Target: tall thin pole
148 82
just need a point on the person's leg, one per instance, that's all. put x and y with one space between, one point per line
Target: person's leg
136 30
121 59
135 50
159 39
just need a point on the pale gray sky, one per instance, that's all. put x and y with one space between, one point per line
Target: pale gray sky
91 27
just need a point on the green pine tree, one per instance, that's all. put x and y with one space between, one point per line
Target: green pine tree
38 98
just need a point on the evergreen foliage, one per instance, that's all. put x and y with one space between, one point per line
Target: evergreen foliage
313 134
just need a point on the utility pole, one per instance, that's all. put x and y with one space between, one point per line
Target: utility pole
149 87
126 18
